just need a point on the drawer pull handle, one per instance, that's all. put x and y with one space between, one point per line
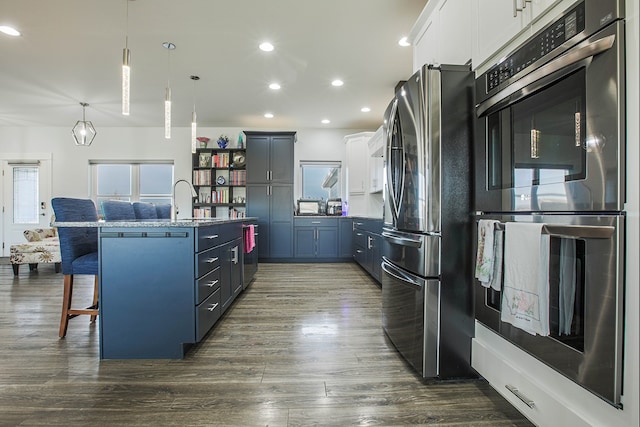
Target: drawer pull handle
213 307
213 236
212 260
212 283
316 222
530 403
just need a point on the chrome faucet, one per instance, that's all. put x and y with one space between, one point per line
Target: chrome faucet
174 205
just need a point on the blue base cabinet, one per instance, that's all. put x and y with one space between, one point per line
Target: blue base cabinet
367 245
163 288
316 238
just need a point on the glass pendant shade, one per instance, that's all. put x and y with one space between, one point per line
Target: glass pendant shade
194 132
83 132
167 114
126 80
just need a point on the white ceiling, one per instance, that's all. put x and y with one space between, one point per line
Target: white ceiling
70 51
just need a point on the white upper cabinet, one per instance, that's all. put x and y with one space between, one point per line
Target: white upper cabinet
496 31
494 26
442 33
357 164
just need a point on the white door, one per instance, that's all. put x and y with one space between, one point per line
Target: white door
25 195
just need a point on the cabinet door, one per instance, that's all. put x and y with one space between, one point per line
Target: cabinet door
375 254
257 158
327 242
258 205
236 267
454 29
281 221
426 50
226 291
281 168
345 238
305 242
357 166
493 26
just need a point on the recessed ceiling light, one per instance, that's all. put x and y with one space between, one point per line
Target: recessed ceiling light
365 109
274 86
404 42
326 121
337 82
266 46
268 115
10 31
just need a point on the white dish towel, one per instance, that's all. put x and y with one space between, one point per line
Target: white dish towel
489 254
525 297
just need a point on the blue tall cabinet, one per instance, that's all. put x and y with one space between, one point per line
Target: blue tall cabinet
270 171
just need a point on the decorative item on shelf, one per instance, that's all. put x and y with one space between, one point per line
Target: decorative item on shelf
221 180
203 141
240 140
223 140
238 160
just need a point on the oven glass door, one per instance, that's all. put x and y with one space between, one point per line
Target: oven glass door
554 142
540 141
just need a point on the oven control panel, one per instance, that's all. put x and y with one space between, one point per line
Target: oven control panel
555 35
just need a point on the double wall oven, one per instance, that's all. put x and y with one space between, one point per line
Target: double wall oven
550 148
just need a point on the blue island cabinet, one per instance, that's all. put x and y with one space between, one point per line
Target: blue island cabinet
161 288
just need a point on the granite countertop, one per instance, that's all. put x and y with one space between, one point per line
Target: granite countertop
184 222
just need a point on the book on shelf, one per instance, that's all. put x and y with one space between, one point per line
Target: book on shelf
202 212
220 196
238 177
234 213
201 177
221 160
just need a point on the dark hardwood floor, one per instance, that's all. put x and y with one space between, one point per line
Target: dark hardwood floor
303 345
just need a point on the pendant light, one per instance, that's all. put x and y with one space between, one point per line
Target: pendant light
83 132
193 117
167 95
126 69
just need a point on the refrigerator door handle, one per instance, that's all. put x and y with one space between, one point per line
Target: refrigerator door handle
390 185
402 276
401 240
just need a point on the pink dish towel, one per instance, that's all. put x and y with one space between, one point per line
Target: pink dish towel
249 239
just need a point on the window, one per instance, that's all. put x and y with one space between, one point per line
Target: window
25 195
132 181
321 180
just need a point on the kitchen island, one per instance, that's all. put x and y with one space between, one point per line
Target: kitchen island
163 284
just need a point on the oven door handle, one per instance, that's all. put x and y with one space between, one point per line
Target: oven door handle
401 276
570 58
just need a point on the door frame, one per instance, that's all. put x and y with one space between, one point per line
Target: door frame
7 231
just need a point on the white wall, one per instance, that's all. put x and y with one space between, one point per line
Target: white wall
70 163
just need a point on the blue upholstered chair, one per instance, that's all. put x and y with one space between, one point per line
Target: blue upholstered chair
117 210
144 210
79 251
163 211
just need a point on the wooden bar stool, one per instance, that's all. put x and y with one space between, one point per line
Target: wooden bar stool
79 250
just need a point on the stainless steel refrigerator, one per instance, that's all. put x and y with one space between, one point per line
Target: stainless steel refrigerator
427 297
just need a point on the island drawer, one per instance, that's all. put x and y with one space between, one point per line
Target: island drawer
230 231
207 284
208 237
207 261
207 314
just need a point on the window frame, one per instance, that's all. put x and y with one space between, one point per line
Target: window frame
135 195
322 163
